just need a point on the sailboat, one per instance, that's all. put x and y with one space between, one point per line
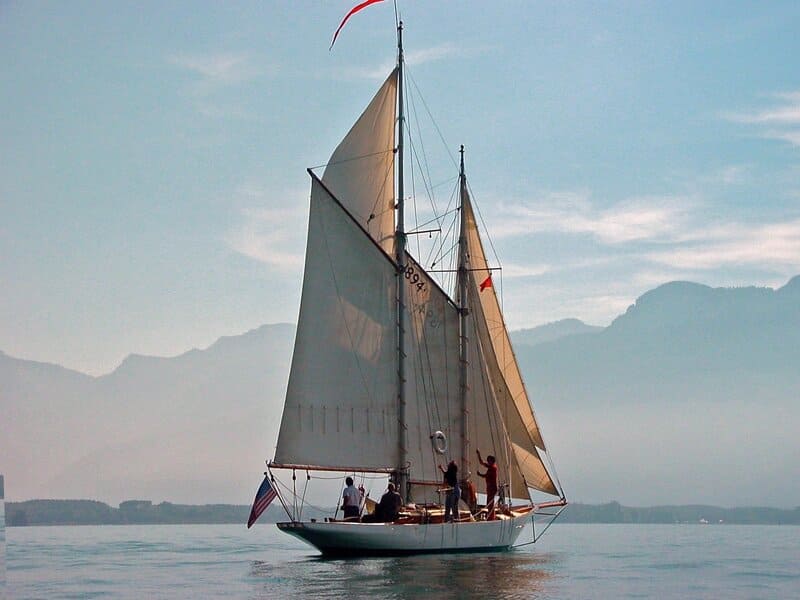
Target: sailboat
393 376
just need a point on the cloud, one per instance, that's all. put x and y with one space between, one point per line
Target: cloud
728 175
414 59
373 73
274 236
760 245
217 69
790 135
436 53
213 74
514 271
541 302
644 218
783 119
671 232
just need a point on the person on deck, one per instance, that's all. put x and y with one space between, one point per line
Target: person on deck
453 493
469 495
491 482
351 499
388 508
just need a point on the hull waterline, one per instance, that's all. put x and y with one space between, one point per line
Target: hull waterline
382 539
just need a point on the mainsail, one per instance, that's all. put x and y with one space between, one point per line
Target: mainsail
341 409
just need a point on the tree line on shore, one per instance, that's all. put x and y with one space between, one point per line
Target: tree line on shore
131 512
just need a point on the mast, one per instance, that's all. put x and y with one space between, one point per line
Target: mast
401 475
463 312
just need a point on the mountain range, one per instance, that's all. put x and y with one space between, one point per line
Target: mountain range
691 395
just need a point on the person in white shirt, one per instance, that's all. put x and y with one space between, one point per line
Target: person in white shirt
351 499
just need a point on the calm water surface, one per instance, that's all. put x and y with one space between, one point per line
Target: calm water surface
571 561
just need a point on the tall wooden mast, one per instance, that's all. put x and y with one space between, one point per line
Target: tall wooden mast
463 313
401 475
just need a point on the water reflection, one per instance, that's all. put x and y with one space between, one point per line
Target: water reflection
516 574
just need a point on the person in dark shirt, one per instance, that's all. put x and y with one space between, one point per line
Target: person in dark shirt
453 492
388 508
491 482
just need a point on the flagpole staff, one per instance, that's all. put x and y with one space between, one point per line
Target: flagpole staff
268 473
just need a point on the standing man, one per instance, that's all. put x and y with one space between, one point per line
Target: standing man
453 492
491 482
351 500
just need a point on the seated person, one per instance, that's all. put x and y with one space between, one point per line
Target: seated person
388 509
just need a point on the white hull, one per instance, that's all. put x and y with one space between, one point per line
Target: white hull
369 539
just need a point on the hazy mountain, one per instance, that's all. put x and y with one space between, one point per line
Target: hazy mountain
690 396
190 428
551 331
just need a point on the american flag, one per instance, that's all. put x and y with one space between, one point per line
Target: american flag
264 496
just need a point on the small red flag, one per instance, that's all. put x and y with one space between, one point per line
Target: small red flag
486 283
353 11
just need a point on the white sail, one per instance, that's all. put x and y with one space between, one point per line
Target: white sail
486 431
490 307
388 373
525 463
432 386
341 406
341 403
500 368
360 173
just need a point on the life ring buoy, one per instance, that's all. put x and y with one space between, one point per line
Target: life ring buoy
439 440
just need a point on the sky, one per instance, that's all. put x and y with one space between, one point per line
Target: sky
153 185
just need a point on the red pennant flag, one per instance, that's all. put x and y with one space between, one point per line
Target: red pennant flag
486 283
353 11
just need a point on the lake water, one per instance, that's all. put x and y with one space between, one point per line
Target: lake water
570 561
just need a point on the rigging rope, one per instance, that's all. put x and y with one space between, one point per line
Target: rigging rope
436 126
420 160
423 163
420 348
351 159
485 229
430 388
303 499
446 235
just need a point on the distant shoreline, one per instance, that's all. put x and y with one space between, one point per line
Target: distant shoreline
143 512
